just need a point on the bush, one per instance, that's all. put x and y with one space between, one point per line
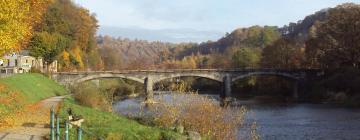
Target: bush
88 94
199 113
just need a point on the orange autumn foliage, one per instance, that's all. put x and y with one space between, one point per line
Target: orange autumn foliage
14 111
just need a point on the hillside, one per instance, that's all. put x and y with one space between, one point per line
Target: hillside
300 30
127 51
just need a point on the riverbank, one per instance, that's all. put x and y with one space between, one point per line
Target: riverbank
21 94
109 125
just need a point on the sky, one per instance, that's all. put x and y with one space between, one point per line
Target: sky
196 20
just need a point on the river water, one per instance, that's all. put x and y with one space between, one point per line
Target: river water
286 122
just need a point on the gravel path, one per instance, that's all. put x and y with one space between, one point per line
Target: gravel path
35 129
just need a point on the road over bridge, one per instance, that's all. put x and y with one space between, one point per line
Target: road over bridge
150 77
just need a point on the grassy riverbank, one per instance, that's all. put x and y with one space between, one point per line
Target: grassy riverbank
34 87
19 95
112 126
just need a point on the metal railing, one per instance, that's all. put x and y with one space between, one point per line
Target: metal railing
55 129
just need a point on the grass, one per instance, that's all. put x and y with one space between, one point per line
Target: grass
19 95
34 87
112 126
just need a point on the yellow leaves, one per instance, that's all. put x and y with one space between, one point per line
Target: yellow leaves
66 56
10 104
17 17
77 54
14 112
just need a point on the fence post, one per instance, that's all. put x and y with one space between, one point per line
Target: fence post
66 130
57 127
79 133
52 124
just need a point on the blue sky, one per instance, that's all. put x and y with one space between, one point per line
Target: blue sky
202 19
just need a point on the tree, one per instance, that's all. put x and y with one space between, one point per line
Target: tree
78 27
48 46
246 57
284 53
336 42
17 19
112 59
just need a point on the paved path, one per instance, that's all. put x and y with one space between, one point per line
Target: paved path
34 129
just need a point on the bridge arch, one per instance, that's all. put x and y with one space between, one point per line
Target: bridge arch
284 75
296 80
92 77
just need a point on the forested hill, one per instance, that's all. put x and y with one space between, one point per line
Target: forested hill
132 52
122 51
301 29
257 36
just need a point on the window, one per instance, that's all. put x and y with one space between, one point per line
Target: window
8 62
26 61
16 62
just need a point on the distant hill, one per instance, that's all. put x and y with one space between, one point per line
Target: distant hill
131 50
164 35
152 51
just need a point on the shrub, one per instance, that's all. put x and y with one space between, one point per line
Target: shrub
89 95
201 114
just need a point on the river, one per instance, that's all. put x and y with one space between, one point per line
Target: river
286 122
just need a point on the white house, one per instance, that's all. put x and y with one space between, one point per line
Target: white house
22 63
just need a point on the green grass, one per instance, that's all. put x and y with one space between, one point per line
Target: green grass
34 87
106 125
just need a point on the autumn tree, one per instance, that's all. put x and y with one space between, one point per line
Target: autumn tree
17 19
112 59
336 41
66 20
48 45
246 57
284 53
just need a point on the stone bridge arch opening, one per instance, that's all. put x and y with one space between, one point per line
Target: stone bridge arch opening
201 84
91 77
260 84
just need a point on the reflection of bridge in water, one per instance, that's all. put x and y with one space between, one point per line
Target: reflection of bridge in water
225 76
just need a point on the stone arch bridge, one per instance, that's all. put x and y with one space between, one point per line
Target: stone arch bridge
150 77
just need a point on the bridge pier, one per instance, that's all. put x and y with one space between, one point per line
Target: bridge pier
148 84
296 90
225 97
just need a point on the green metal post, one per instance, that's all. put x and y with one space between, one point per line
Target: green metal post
57 127
66 130
52 137
79 133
